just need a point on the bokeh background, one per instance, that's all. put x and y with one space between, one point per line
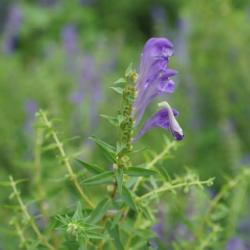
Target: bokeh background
63 56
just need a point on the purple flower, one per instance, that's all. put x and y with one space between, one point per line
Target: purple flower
235 244
69 40
154 80
77 97
12 27
165 118
154 75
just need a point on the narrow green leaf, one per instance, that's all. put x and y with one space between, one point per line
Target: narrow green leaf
163 172
147 213
119 179
120 80
103 178
137 171
98 213
115 235
116 219
118 90
111 119
129 70
90 167
78 213
128 198
108 149
220 212
49 147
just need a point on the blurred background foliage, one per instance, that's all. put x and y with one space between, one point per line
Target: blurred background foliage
64 55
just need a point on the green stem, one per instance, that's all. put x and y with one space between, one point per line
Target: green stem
154 161
149 166
28 217
21 235
66 162
231 184
169 187
37 173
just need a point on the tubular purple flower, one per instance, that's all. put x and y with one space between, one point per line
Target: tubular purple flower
154 76
164 118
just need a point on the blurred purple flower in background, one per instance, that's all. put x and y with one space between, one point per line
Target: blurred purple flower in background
236 244
183 57
30 108
182 42
159 18
158 228
11 29
69 38
154 80
90 85
85 72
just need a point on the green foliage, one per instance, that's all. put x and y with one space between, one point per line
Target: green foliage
109 193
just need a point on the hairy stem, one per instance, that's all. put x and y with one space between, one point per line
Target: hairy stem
66 162
28 217
169 187
23 241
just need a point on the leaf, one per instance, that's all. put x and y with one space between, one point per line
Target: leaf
163 172
147 213
118 90
78 213
98 213
120 80
111 119
221 212
49 147
115 235
116 219
109 149
137 171
90 167
129 70
103 178
128 198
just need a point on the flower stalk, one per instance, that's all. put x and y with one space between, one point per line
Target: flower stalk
126 126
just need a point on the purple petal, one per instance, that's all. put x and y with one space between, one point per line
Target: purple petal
167 87
154 76
165 119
